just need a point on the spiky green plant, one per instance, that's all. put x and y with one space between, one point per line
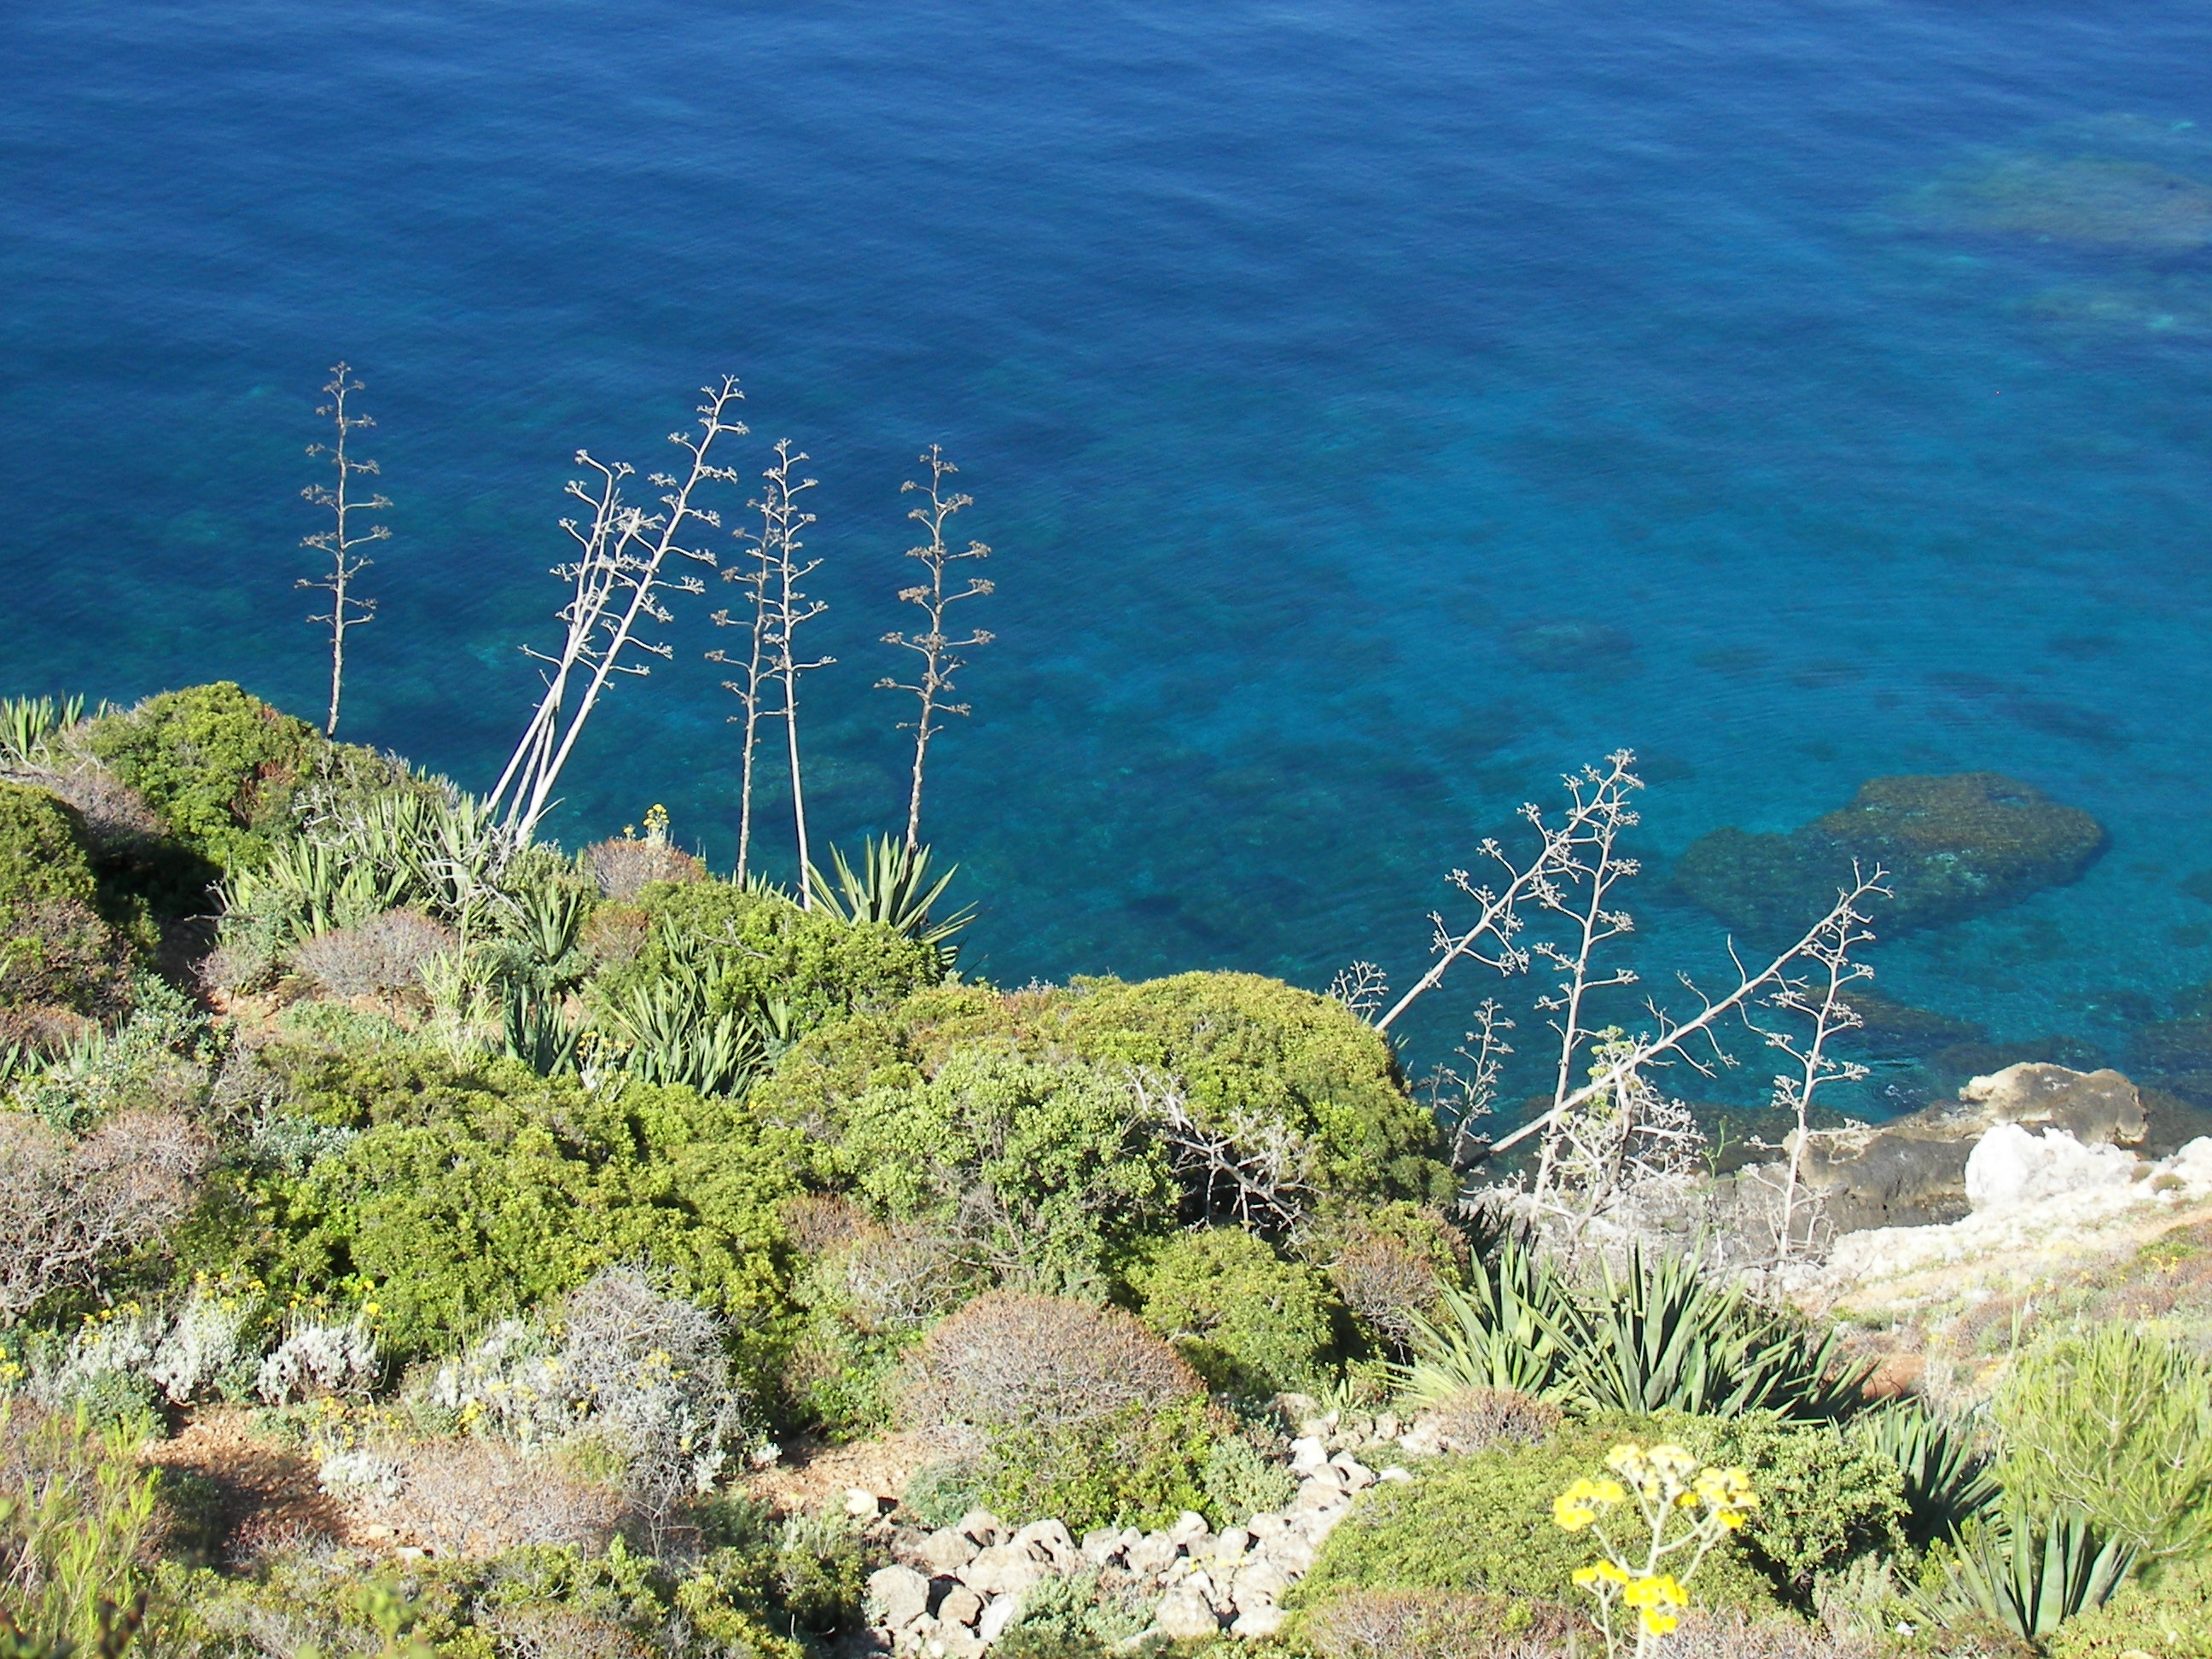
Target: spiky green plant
1662 1336
1947 1479
74 1518
309 887
545 922
2031 1571
1494 1334
892 887
669 1031
29 725
539 1029
2117 1423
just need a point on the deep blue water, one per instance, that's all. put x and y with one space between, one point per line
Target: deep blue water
1302 358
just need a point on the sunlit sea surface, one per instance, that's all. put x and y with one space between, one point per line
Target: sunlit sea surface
1375 408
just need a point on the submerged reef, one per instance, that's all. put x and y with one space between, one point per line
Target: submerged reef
2093 199
1954 846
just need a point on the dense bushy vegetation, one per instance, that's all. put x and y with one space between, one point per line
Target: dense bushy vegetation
498 1211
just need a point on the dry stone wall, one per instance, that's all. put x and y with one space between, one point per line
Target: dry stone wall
952 1592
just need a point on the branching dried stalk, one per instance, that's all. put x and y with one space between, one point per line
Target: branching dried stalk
785 608
616 581
1584 872
757 577
1616 1082
339 543
1492 937
1820 998
938 651
1252 1171
1458 1099
1360 987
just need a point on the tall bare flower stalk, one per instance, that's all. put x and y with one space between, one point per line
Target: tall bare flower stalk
1818 997
1585 871
340 543
786 608
1618 1086
1490 937
617 582
933 682
756 668
1608 1126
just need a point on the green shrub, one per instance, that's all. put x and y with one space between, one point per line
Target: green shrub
1241 1481
1249 1321
56 947
1243 1043
1068 1616
759 948
2117 1424
938 1494
1140 1465
1246 1048
2164 1610
1826 1498
1045 1163
218 765
542 1598
1483 1524
820 1572
1391 1264
866 1298
1445 1625
76 1511
470 1196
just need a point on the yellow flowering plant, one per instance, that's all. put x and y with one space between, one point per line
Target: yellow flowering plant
1671 1511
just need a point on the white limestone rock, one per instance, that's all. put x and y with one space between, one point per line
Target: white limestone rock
1184 1615
1000 1614
2010 1167
897 1597
945 1552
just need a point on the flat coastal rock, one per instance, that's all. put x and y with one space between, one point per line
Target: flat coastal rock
1913 1172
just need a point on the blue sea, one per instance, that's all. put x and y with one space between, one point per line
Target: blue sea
1375 410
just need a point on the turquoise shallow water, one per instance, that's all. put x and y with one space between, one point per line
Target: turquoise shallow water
1304 358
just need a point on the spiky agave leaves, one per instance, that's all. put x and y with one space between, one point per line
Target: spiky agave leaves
669 1031
1947 1479
29 725
1659 1337
1664 1337
1494 1334
891 887
2030 1572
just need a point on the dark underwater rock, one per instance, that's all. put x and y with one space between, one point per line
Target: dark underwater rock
1913 1172
1955 846
2078 198
1892 1031
2178 1053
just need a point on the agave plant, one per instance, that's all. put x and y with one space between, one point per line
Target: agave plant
1494 1334
1664 1337
545 922
671 1032
539 1029
892 887
1947 1480
2030 1573
28 725
312 887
